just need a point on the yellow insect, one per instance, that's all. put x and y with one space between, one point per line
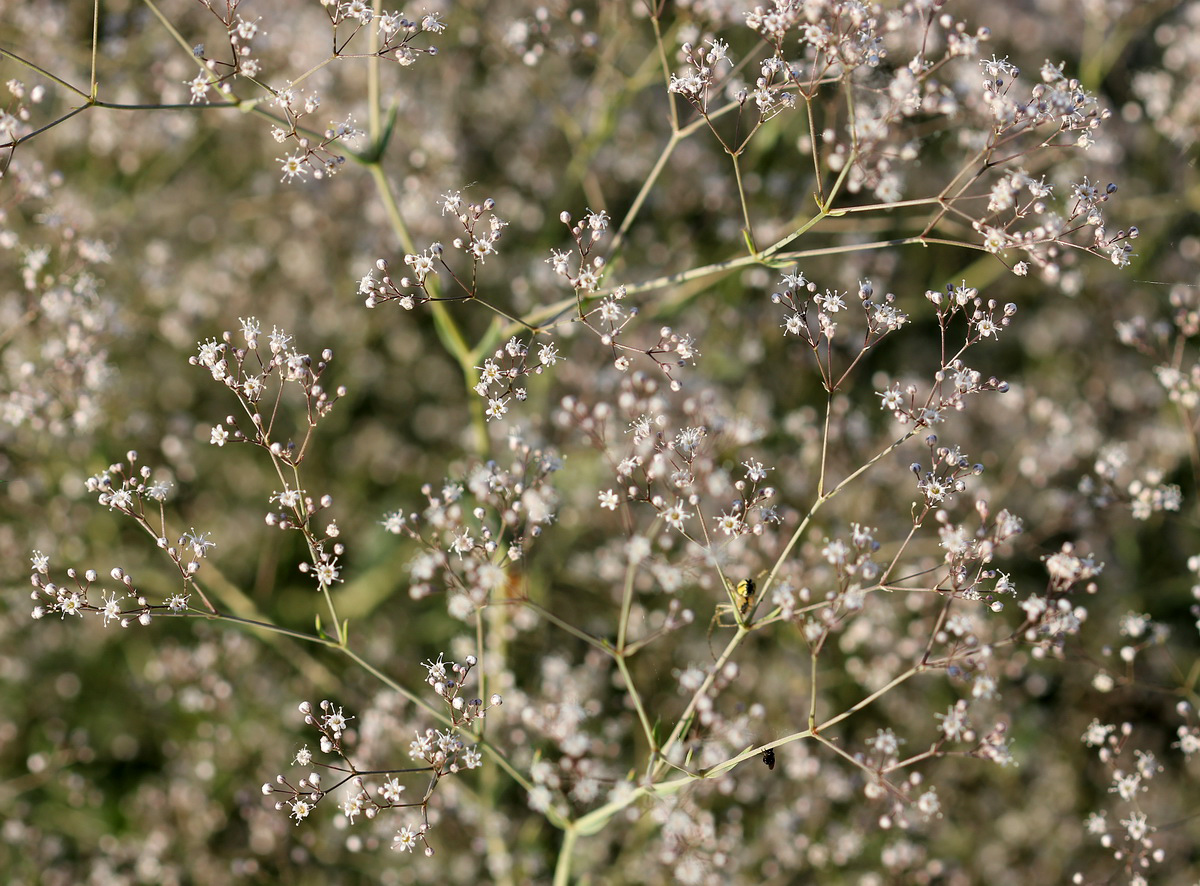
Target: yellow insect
743 598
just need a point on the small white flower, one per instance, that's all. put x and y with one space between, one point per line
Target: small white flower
391 790
327 572
730 524
198 86
405 839
293 166
496 408
675 515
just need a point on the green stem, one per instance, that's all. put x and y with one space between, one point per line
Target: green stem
741 189
562 868
5 53
491 647
647 727
170 28
448 332
374 105
878 693
93 86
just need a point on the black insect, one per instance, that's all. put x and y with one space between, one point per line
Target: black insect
769 758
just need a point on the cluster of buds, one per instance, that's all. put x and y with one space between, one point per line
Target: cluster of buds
448 679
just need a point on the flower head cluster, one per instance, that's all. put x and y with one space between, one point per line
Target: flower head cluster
481 231
608 317
914 63
583 272
474 528
499 374
1051 618
1134 843
954 381
837 40
367 793
1020 214
448 679
320 156
250 374
125 605
813 317
946 477
220 73
702 74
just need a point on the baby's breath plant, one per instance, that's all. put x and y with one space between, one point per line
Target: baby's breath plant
691 443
